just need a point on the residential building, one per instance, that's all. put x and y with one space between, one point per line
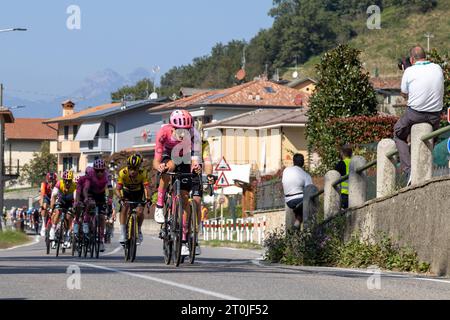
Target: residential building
389 95
265 138
102 131
23 138
217 105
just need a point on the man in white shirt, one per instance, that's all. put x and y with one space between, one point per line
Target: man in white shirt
294 180
423 86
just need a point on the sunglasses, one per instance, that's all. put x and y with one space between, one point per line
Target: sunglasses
99 170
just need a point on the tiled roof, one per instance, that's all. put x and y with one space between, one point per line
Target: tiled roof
263 118
84 112
30 129
258 93
386 83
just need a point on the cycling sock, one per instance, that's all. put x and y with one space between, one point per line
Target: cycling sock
161 194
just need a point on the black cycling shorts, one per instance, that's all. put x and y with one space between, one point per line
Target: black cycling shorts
133 196
186 183
197 187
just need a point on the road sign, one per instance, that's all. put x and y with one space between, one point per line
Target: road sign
222 181
448 145
223 165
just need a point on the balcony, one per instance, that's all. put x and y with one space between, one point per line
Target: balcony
98 145
64 147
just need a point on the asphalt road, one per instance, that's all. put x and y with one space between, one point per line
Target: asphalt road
219 273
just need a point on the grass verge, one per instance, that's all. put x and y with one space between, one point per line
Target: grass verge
10 239
324 245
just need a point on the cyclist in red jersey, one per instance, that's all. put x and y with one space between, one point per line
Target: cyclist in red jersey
45 196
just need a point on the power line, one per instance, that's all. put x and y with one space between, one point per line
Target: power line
45 94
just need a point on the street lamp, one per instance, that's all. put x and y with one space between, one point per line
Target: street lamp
13 29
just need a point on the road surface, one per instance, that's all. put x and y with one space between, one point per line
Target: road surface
219 273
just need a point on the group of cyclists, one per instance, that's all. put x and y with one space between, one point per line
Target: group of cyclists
179 148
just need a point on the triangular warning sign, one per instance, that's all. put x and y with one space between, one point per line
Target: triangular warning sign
223 165
222 181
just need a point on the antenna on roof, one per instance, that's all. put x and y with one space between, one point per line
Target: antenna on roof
244 61
295 73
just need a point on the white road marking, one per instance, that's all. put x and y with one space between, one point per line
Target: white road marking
166 282
36 240
113 252
324 269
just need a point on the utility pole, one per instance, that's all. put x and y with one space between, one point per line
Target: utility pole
1 94
428 35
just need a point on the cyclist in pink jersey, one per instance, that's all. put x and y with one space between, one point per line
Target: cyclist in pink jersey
94 192
178 149
79 197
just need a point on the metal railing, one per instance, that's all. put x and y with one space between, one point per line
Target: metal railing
390 154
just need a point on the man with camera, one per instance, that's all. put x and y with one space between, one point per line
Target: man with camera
423 87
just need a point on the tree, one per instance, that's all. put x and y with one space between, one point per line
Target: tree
343 90
42 162
140 91
444 62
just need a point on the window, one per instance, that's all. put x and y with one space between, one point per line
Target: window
66 132
106 129
75 131
269 90
67 163
207 119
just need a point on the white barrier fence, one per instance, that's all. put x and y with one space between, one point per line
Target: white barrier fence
244 230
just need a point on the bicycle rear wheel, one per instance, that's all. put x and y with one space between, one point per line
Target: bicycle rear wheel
178 231
192 232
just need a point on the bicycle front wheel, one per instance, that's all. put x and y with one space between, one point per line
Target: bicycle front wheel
59 237
133 237
177 210
167 239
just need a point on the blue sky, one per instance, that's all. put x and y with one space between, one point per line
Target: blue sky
117 35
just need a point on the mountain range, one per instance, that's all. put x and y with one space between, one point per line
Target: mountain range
94 90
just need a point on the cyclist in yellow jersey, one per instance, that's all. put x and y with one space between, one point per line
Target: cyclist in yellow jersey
63 195
132 184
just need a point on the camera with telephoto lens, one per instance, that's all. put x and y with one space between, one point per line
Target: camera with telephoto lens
404 63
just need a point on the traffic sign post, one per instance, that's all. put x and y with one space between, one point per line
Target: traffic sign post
222 182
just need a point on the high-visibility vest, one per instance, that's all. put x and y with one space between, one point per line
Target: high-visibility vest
344 185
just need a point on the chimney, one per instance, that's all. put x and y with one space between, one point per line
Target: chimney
68 108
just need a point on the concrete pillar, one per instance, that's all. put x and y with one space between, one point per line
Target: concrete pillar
385 168
290 218
310 205
357 183
421 153
332 195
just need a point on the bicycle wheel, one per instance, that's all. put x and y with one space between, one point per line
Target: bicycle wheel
98 238
167 240
74 243
178 231
59 237
48 243
93 237
127 240
192 232
133 237
86 244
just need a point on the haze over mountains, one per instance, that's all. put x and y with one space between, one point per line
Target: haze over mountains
94 90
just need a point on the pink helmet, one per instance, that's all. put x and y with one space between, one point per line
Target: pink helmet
99 164
90 171
181 119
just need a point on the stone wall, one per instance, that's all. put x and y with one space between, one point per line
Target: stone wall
417 217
